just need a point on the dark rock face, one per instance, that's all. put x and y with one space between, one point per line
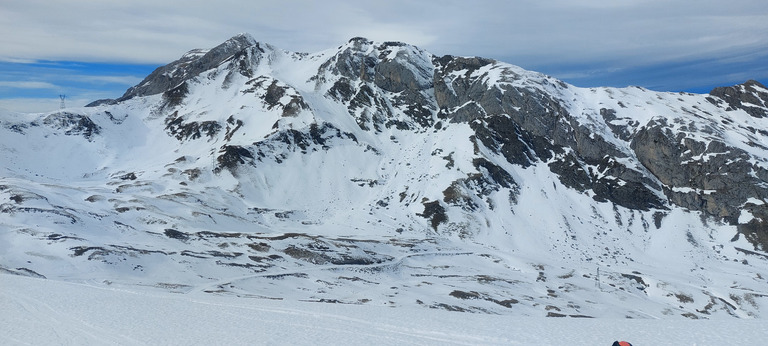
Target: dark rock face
719 185
622 132
73 124
751 96
468 193
454 92
175 96
407 78
387 77
435 213
274 94
128 176
230 156
177 127
174 234
528 126
189 66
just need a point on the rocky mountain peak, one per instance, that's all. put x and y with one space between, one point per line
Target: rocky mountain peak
524 117
380 162
190 65
751 96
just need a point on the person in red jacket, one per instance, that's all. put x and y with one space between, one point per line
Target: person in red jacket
621 343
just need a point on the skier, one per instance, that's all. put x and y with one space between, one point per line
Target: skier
621 343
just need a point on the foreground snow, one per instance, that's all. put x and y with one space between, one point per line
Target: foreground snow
39 312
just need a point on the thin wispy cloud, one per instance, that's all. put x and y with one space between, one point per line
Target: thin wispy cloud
17 60
26 85
157 31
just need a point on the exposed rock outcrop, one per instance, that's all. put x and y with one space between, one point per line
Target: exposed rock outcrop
189 66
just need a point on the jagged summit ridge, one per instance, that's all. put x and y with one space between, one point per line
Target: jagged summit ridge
751 96
188 66
522 116
375 158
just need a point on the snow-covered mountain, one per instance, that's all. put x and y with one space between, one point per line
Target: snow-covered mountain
380 174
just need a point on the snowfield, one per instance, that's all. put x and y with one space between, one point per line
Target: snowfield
47 312
377 194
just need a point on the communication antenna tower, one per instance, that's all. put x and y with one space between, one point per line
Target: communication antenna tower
62 97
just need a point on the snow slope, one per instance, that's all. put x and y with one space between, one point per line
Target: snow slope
47 312
378 175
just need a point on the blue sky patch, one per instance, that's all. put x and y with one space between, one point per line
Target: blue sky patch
81 82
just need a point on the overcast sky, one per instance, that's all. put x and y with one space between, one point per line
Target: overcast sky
93 49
